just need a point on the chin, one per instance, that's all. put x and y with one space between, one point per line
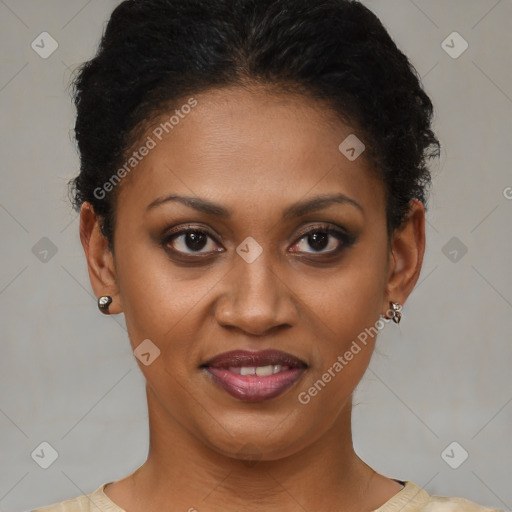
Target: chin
264 439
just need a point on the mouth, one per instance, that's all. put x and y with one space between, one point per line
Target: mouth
255 376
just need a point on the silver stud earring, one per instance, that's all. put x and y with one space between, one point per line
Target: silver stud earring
397 312
104 302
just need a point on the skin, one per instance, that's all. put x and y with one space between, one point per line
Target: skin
255 153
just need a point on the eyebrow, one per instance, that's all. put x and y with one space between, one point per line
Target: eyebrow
296 210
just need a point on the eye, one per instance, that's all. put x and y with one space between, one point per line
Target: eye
191 241
322 240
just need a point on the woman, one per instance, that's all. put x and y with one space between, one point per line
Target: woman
252 198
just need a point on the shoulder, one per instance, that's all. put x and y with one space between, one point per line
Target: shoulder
454 504
92 502
413 498
78 504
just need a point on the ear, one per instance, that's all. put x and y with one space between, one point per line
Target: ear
100 260
407 250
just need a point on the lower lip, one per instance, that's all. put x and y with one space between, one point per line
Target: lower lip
252 388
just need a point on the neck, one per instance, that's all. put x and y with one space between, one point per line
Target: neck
325 475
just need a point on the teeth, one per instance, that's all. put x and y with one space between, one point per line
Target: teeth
264 371
260 371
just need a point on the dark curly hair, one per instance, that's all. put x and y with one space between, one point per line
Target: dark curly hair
153 53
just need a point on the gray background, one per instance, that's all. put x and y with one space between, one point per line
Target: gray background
68 376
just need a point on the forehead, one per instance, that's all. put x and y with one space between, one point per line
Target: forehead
248 147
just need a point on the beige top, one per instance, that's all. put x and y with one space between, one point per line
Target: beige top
411 498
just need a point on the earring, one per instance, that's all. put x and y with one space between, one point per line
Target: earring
397 312
104 302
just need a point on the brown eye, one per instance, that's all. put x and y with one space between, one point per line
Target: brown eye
322 240
191 241
318 241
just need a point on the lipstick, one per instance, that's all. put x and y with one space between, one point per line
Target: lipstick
255 376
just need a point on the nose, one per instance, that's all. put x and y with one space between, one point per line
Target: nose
255 298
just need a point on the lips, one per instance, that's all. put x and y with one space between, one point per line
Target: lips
255 376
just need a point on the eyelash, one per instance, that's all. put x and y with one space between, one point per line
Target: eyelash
341 235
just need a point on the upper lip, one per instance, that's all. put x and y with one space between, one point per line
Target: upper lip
239 358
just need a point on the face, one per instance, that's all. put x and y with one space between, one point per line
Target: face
252 254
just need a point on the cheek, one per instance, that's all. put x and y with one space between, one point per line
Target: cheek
161 301
346 309
349 299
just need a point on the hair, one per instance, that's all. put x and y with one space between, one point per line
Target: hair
153 53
